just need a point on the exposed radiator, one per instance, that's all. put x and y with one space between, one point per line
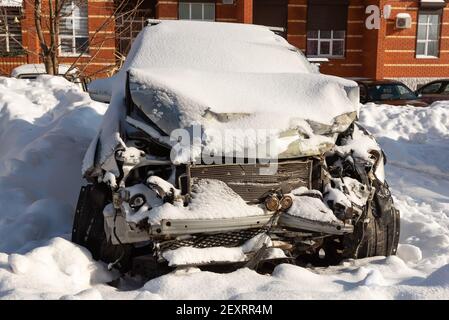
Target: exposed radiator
247 181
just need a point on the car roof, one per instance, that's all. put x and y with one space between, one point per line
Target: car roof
437 80
370 82
38 69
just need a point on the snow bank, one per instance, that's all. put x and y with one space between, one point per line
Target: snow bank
45 128
415 140
49 272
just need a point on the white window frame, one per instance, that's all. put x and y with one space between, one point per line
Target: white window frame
202 10
75 33
331 41
6 34
426 41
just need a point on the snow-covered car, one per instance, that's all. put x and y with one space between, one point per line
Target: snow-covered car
223 144
33 70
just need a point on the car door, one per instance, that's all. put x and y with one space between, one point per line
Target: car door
431 92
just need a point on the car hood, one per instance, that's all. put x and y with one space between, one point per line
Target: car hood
297 114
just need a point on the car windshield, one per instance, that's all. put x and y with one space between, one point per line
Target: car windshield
392 91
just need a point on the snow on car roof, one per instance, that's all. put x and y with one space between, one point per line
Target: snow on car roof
38 68
11 3
235 68
214 46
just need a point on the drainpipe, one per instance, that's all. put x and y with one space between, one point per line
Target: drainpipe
245 11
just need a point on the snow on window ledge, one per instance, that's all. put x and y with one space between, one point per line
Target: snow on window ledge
73 55
426 57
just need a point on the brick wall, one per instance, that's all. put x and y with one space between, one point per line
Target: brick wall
296 23
385 53
168 10
398 46
96 62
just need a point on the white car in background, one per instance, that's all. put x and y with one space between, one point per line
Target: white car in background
32 71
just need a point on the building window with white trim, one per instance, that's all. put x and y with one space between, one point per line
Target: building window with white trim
10 31
73 28
428 35
197 11
326 43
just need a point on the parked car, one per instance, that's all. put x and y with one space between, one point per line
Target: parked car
165 186
388 92
434 91
32 71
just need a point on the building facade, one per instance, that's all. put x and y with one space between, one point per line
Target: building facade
86 35
401 39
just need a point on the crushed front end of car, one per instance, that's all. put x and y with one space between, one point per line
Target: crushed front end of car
181 175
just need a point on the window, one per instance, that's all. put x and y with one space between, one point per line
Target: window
431 88
327 21
10 31
326 43
73 28
446 90
390 92
428 37
197 11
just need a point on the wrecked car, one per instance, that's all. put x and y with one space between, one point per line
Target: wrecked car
222 144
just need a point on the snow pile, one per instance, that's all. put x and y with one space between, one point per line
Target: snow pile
59 267
190 255
415 140
211 199
310 205
45 128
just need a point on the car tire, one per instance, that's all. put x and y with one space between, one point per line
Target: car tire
377 232
88 228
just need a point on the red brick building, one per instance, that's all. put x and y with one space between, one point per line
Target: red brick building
410 42
84 36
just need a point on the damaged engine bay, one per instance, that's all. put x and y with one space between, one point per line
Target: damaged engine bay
314 209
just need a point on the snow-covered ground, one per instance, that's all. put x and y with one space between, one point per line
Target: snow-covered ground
45 128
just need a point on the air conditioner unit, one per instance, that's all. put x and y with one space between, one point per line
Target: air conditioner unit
403 21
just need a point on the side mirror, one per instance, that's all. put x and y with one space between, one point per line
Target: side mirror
101 89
